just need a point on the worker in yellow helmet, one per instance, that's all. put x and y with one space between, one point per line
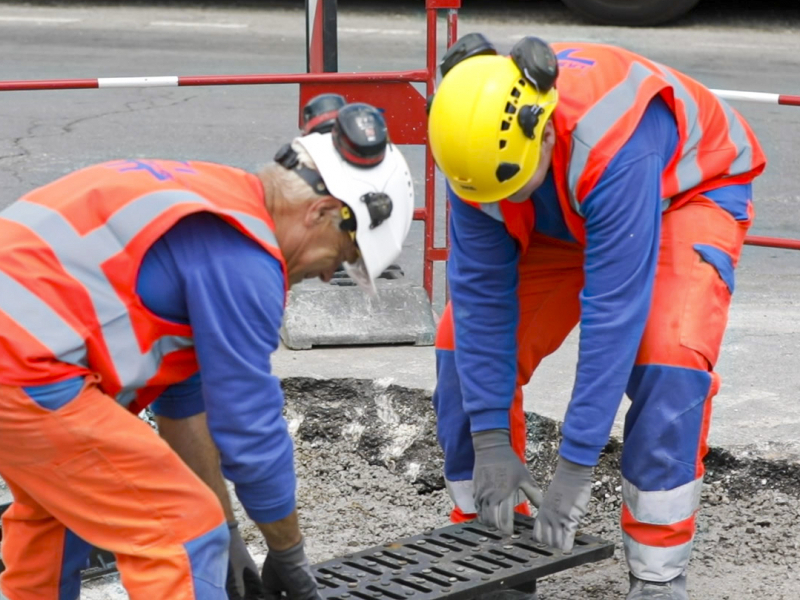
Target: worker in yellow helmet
590 185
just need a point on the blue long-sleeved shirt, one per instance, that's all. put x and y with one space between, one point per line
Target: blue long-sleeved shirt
206 273
623 218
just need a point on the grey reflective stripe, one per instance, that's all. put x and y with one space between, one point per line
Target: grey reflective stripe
493 210
256 226
461 493
82 257
656 564
41 321
743 162
688 170
596 123
663 507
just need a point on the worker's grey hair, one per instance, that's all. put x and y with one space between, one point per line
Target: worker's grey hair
288 185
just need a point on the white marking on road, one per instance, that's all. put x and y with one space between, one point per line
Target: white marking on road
14 19
370 31
199 24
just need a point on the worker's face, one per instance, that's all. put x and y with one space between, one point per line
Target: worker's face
545 158
324 246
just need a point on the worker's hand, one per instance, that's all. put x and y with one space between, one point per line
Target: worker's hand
243 581
288 571
564 505
498 476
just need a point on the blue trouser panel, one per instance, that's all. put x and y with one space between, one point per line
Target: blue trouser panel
663 426
74 559
208 555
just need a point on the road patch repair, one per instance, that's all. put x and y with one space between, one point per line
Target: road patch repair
369 474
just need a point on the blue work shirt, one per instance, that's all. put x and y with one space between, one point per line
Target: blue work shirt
231 291
623 226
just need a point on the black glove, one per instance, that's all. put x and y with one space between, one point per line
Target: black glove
497 477
243 582
288 571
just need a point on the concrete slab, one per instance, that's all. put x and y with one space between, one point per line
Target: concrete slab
319 314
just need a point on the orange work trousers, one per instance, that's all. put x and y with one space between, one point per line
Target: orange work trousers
91 473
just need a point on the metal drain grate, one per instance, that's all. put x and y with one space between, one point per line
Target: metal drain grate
100 562
455 562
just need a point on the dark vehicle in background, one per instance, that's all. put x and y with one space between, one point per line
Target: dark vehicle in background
631 12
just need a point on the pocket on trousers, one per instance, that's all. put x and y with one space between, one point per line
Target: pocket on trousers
97 486
705 314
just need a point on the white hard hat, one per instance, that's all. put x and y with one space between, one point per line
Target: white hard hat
379 192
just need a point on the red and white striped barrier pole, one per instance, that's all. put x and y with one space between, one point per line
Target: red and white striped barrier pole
762 97
419 75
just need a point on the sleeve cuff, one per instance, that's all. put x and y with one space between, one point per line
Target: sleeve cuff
489 419
178 408
263 509
580 454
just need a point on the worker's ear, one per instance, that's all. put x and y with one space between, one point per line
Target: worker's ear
323 210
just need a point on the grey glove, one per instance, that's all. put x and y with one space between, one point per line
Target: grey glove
288 571
243 582
497 477
564 505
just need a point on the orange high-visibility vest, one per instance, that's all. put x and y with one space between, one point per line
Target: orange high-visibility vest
70 254
603 93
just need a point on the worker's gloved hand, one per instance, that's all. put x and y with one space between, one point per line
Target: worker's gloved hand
497 477
288 571
564 505
243 582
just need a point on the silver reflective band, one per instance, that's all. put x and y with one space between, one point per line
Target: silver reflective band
663 507
462 495
656 564
595 124
82 257
688 170
41 321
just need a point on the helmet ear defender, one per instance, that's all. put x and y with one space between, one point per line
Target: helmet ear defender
472 44
539 66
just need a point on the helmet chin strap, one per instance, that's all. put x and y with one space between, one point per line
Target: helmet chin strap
288 159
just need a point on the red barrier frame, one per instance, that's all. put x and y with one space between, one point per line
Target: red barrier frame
391 91
403 105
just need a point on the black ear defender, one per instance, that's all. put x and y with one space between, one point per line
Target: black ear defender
472 44
360 135
538 63
320 112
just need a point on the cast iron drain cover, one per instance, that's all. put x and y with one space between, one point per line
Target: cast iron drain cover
455 562
101 562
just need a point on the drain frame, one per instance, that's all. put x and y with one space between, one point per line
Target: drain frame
457 562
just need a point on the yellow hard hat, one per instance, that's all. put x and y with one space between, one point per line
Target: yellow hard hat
487 118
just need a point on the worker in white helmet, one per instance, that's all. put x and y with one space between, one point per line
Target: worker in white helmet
151 281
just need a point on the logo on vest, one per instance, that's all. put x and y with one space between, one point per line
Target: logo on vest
566 61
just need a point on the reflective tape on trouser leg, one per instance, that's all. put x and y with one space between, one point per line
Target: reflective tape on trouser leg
658 529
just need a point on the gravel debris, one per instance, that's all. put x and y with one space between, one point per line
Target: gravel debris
369 471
